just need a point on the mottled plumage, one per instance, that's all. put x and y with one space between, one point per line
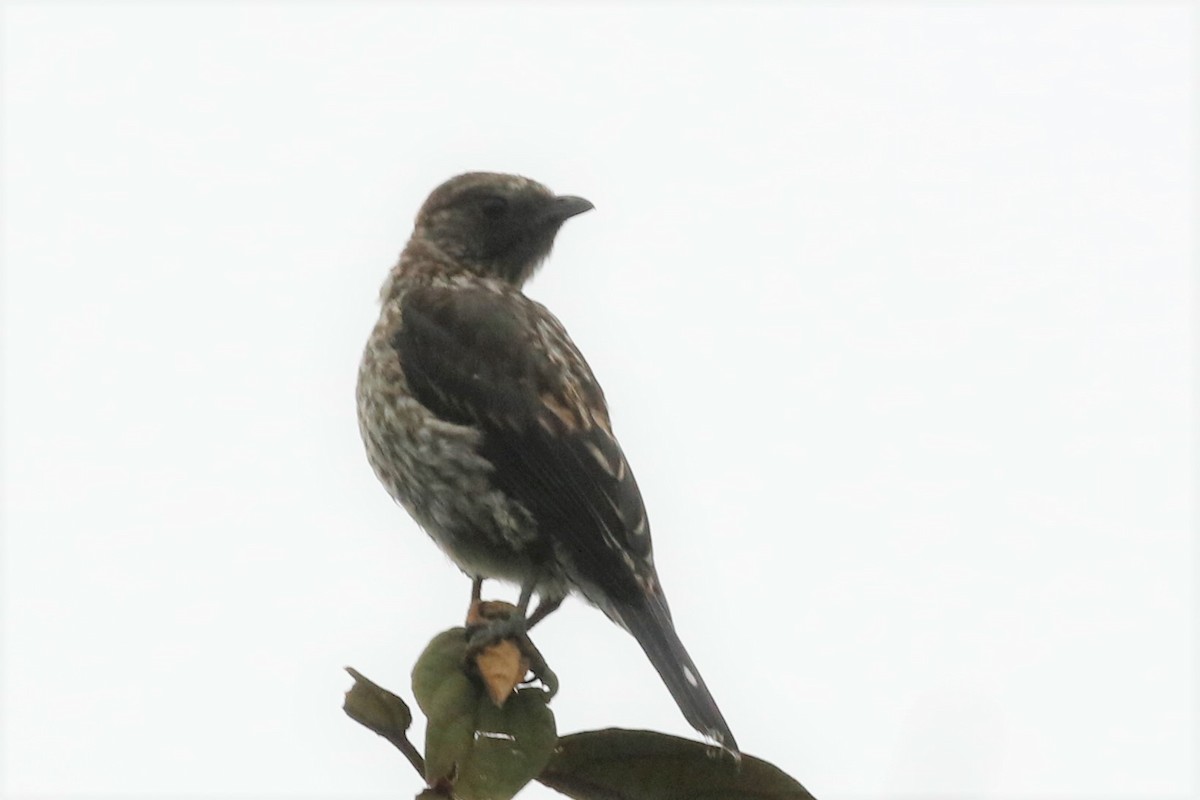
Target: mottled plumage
482 418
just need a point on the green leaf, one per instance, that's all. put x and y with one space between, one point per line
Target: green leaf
441 662
485 752
450 700
617 764
513 746
369 704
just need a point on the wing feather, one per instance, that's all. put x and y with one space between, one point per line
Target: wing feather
503 364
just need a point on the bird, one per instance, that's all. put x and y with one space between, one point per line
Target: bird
482 418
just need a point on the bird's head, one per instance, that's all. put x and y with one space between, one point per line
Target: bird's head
494 224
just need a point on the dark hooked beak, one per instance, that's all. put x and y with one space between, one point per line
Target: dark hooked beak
564 207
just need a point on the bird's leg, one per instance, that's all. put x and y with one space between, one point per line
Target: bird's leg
526 596
476 593
545 608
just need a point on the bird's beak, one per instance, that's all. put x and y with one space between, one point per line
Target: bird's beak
565 206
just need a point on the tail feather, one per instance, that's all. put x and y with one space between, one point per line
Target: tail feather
650 623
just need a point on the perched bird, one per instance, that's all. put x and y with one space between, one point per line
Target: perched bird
482 418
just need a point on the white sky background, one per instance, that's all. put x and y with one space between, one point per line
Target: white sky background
891 304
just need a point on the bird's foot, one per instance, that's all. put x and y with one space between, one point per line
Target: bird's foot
492 631
492 626
491 622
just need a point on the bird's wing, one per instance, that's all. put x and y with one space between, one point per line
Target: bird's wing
503 364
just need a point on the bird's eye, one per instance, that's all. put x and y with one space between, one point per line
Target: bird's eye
494 207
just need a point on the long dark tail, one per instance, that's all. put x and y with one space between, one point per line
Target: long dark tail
650 623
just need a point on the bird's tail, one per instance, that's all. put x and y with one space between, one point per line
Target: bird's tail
650 623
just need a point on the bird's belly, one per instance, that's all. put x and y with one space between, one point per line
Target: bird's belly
433 469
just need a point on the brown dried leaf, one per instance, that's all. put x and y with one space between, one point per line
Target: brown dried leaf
502 667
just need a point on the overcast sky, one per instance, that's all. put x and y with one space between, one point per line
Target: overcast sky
890 302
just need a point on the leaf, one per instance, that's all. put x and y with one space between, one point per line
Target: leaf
502 668
380 711
482 751
369 704
512 748
440 662
616 764
450 700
